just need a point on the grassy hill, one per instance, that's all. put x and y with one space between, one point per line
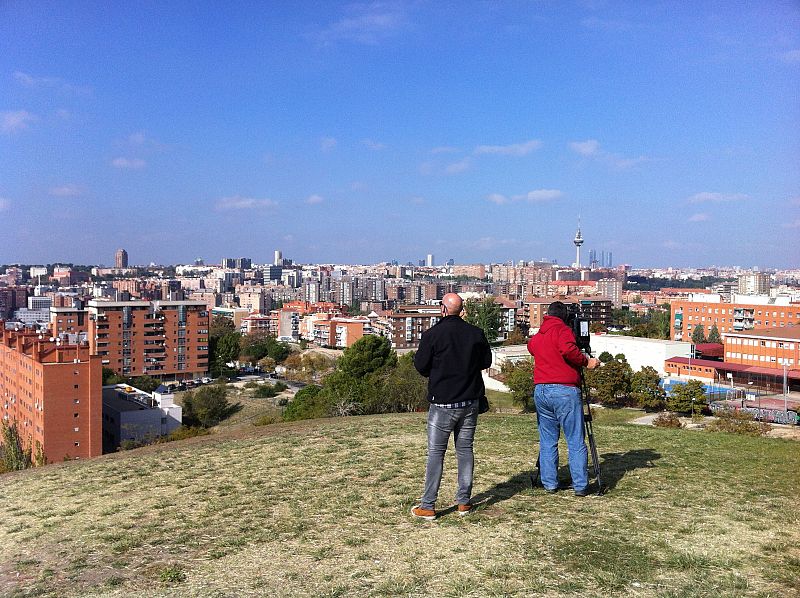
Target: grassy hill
321 508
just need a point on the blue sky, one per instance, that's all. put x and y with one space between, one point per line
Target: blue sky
363 132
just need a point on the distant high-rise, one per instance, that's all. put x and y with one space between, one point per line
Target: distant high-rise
429 260
121 259
278 260
756 283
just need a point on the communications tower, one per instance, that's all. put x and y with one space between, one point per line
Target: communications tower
578 240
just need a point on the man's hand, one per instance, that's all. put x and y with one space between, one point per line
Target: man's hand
593 363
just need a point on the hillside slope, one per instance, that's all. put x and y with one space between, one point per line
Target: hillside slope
321 508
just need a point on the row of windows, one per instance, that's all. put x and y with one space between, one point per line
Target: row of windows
754 342
760 358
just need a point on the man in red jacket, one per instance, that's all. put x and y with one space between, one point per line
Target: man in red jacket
557 376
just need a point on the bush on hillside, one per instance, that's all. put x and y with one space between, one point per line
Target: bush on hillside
307 404
738 422
667 419
207 406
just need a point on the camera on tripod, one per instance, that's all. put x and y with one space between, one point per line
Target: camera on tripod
580 327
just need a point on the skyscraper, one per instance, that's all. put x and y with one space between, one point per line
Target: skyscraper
429 260
121 259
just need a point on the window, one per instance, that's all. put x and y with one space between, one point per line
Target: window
77 443
76 429
75 415
76 386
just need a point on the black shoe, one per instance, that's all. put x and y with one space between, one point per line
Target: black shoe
551 490
584 492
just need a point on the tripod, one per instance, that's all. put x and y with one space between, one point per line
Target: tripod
588 430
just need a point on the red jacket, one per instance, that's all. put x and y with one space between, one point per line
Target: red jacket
557 358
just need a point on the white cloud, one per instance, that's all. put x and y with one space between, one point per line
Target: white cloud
373 145
458 167
314 199
540 195
514 149
327 144
4 204
68 190
13 121
129 163
791 57
535 196
445 149
52 83
237 202
700 217
590 147
794 224
137 138
366 24
709 197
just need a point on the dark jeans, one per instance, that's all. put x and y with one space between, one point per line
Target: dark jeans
441 423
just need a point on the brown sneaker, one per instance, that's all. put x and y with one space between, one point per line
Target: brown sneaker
464 509
427 514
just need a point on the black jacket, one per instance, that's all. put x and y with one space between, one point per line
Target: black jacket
451 355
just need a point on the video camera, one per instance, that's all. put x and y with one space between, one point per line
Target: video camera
580 327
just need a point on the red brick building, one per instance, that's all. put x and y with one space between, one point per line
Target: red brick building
166 339
53 392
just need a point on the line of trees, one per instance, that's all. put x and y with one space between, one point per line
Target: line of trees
615 384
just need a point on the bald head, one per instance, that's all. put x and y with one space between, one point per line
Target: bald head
452 303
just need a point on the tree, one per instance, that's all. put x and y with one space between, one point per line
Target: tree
306 404
611 383
226 349
486 315
145 383
519 379
646 390
515 337
368 354
207 406
683 396
220 326
13 455
699 335
713 335
267 364
404 389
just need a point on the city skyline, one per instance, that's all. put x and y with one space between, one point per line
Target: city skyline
362 133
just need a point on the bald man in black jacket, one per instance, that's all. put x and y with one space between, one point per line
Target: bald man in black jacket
451 355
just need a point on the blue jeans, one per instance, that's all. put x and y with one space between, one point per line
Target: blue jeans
558 407
441 423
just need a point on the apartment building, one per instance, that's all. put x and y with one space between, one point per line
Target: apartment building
534 309
408 322
168 339
753 283
766 348
744 312
53 391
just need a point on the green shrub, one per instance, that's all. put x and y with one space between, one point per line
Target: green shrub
207 406
264 391
267 419
13 455
738 422
667 419
187 432
307 404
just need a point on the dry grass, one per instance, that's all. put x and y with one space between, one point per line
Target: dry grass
321 508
